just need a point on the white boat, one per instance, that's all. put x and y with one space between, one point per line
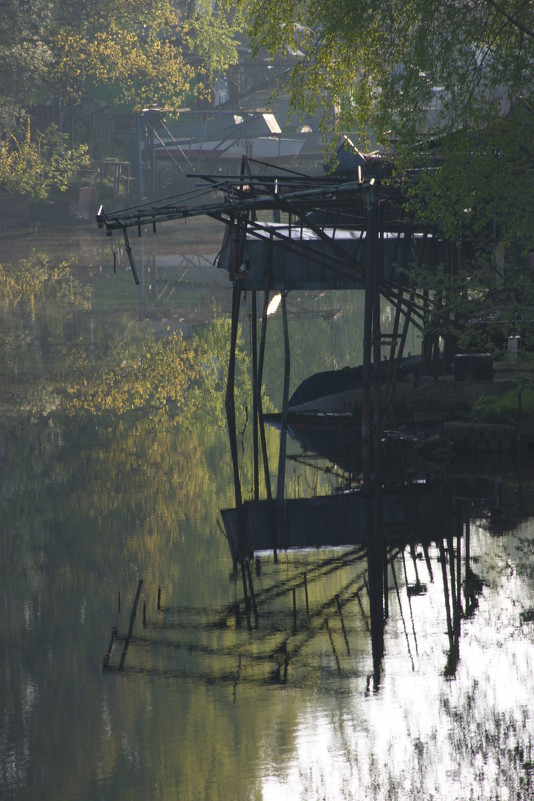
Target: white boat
226 137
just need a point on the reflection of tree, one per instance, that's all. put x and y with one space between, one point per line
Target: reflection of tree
151 380
38 342
49 340
85 510
111 506
165 381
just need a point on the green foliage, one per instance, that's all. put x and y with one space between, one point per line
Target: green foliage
35 164
212 349
139 52
478 306
145 378
134 377
445 87
131 52
505 408
24 59
211 34
167 382
28 281
40 301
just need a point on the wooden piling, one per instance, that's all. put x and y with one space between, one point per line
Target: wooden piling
261 358
251 588
113 640
132 621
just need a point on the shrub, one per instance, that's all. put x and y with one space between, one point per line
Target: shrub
36 165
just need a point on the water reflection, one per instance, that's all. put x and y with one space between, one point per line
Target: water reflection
396 667
313 587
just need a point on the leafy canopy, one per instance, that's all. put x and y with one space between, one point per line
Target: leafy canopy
137 53
34 164
130 48
387 64
402 73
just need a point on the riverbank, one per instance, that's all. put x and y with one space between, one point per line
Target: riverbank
454 409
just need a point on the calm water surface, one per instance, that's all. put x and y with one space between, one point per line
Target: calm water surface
199 701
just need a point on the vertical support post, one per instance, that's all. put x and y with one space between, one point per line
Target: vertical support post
446 592
255 391
142 291
276 211
385 582
375 560
459 528
260 384
251 586
139 137
367 337
245 591
152 156
452 567
285 400
467 536
230 412
131 625
377 268
369 313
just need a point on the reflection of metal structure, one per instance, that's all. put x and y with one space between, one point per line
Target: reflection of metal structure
336 233
310 624
326 521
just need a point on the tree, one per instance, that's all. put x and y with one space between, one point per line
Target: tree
447 87
24 59
137 53
132 54
142 53
34 165
129 49
211 35
414 73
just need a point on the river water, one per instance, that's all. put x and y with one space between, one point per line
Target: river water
131 667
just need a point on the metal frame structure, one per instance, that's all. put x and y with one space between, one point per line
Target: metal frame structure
261 253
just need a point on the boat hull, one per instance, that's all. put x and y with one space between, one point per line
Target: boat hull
340 392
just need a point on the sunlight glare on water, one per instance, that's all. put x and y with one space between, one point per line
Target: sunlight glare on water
424 734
